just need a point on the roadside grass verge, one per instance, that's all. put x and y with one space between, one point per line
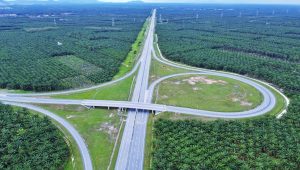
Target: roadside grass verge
131 58
98 127
115 154
75 161
148 144
117 91
159 70
280 103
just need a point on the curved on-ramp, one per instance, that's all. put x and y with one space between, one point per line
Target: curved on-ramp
85 156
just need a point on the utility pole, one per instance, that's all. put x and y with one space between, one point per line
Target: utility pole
54 22
160 19
113 22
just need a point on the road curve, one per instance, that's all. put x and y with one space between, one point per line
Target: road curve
268 103
191 68
85 156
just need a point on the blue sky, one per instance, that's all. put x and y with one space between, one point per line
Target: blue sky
181 1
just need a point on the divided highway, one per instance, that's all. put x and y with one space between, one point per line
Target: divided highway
131 152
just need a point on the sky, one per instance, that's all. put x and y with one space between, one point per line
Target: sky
180 1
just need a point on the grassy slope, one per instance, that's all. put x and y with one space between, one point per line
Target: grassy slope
115 156
129 62
159 70
148 144
117 91
88 123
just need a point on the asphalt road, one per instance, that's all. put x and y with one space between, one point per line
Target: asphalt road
131 152
87 162
137 108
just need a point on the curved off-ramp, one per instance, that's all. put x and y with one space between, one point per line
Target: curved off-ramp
85 156
221 73
268 103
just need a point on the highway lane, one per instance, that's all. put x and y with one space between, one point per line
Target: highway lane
131 152
136 158
85 156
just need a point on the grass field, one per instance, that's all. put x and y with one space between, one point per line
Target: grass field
98 127
208 93
159 70
117 91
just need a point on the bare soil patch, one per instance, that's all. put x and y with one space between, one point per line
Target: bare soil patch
203 79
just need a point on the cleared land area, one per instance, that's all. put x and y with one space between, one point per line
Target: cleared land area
208 93
55 48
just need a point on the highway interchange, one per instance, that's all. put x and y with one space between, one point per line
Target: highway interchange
131 152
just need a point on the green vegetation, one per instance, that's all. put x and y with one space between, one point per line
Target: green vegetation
159 70
260 46
54 48
254 144
280 102
129 62
117 91
245 45
29 141
148 145
115 154
208 93
180 116
99 128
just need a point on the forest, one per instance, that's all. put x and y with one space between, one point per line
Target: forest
46 48
257 41
29 141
